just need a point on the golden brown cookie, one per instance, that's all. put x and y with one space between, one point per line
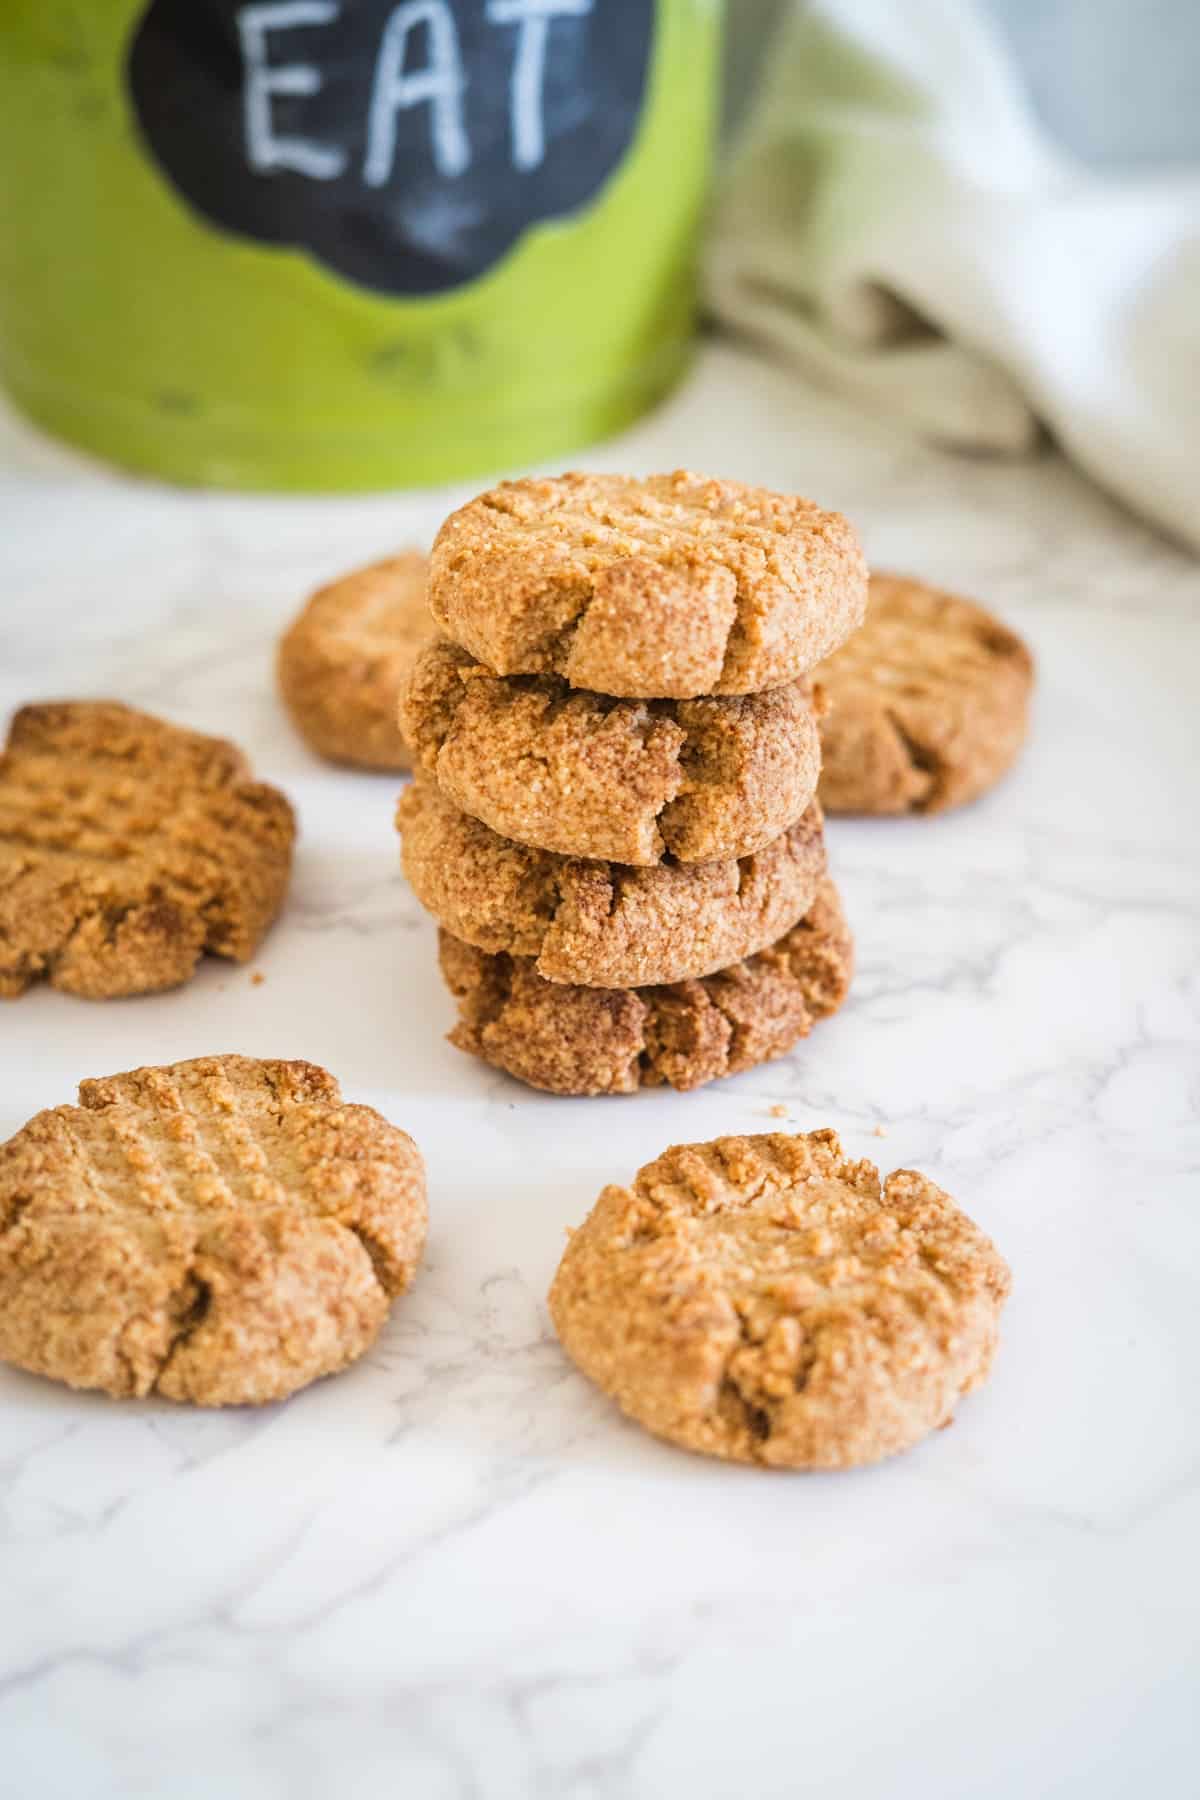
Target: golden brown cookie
765 1300
927 704
675 586
588 1040
342 661
129 848
626 780
600 924
222 1231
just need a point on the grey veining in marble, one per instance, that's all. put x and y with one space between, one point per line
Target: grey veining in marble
454 1572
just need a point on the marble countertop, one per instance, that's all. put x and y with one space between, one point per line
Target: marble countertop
454 1572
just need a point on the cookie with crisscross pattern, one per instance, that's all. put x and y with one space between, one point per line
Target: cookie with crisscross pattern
222 1231
601 924
768 1300
927 705
632 781
343 659
672 586
590 1040
128 849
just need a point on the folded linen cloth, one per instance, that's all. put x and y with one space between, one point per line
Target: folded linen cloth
895 222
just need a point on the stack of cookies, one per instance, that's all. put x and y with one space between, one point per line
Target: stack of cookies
614 816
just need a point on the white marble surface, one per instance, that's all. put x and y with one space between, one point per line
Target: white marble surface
454 1572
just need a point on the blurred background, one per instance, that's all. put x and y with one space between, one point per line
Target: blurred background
1117 82
320 248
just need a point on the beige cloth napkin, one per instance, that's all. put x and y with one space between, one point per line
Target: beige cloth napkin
895 222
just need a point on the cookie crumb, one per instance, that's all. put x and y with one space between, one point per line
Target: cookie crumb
257 979
777 1112
879 1131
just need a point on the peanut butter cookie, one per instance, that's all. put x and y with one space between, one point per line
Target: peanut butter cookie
588 1040
626 780
600 924
672 587
342 661
927 704
765 1300
222 1231
129 848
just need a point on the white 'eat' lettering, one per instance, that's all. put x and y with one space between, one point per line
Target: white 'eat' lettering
265 149
440 83
533 17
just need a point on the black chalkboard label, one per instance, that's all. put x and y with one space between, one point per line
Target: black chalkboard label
405 146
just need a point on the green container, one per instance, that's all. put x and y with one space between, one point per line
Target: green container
328 244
